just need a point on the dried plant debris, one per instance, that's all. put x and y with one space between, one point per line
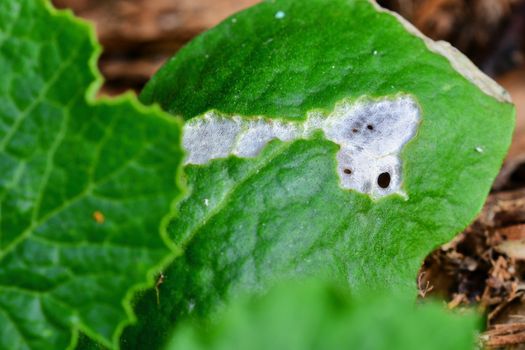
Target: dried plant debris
485 266
512 175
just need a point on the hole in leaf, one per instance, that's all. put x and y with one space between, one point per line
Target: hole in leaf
383 180
347 171
354 130
370 127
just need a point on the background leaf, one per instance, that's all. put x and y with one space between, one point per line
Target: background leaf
83 190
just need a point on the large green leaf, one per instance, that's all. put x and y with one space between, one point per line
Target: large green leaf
84 186
263 210
318 316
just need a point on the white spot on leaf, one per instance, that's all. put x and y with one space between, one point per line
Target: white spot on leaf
371 135
191 306
280 15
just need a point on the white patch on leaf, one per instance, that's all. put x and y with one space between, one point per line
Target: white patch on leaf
280 15
371 135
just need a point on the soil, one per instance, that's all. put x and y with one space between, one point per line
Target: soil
484 266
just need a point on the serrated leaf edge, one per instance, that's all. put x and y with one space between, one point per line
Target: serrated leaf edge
147 111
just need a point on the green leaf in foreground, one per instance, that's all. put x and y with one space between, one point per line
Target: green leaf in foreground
83 190
295 110
318 316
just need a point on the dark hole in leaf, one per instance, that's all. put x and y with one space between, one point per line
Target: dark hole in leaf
347 171
383 180
370 127
354 130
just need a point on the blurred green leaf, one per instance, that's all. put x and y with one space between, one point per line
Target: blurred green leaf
319 316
